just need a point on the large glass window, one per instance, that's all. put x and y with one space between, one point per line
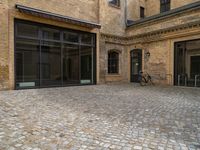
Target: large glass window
86 39
71 37
50 63
50 34
71 64
86 64
27 30
50 56
27 62
187 63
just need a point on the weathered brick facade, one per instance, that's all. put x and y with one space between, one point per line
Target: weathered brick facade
154 35
86 10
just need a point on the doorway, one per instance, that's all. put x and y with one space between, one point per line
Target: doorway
136 64
187 63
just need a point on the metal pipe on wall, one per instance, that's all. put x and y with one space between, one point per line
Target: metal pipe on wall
126 12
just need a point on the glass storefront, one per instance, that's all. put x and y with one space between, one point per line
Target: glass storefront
49 56
187 63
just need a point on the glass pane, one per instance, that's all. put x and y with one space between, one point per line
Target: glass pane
113 62
27 63
86 65
38 61
70 64
27 30
71 37
86 39
50 63
114 2
50 34
135 66
195 66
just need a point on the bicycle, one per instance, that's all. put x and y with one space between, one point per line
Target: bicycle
145 79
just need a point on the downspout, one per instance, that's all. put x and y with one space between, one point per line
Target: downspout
98 11
125 13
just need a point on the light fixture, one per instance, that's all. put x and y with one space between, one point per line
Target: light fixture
148 54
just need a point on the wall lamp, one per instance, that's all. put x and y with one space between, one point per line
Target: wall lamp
148 54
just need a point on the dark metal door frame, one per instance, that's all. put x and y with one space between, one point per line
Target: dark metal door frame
180 49
139 55
179 60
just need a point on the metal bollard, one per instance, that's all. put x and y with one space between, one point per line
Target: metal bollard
196 79
185 80
179 79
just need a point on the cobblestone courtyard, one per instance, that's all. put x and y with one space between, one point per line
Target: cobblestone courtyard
100 117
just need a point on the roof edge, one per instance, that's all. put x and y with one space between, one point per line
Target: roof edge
171 13
34 11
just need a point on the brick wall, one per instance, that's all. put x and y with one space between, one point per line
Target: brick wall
170 22
152 7
133 9
112 19
4 57
82 9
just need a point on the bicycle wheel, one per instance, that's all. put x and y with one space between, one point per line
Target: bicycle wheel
150 80
143 81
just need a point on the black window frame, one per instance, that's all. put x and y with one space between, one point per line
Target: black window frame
62 30
142 12
113 62
165 5
114 3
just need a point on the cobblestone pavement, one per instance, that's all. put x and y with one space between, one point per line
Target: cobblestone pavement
96 117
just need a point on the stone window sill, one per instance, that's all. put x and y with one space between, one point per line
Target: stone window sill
113 75
115 6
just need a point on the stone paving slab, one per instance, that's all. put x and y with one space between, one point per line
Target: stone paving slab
100 117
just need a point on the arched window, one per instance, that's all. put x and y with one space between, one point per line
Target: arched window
113 62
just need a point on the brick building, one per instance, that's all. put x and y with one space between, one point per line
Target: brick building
50 43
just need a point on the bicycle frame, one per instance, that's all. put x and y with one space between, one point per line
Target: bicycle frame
145 79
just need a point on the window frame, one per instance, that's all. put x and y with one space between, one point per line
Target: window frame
165 5
114 5
113 63
142 12
92 45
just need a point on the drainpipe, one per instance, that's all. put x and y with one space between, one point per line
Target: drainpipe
99 9
126 13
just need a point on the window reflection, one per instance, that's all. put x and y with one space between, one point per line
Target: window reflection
55 57
27 30
50 63
86 65
50 34
71 37
27 62
70 64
